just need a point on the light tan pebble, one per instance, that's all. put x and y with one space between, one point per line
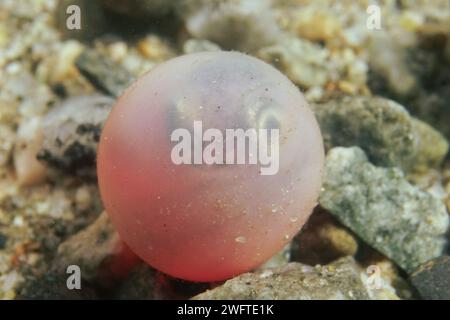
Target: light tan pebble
18 221
198 45
355 36
323 241
133 63
340 239
390 277
83 198
432 146
314 94
24 96
59 205
65 64
29 171
13 68
347 87
33 258
317 25
347 55
9 295
304 62
411 20
118 51
357 72
152 47
8 283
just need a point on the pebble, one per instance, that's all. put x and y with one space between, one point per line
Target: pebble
341 280
432 279
400 220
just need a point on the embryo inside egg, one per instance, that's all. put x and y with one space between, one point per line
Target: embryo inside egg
209 164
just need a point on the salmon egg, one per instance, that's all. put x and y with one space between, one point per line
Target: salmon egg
209 164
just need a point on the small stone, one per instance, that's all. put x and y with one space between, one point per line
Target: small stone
103 73
63 67
403 222
389 275
347 87
153 48
416 73
432 146
323 240
118 50
243 25
380 282
387 59
304 62
340 280
97 250
29 171
10 283
317 25
83 198
72 132
383 129
198 45
411 20
432 279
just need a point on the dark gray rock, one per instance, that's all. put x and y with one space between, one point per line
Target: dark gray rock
432 279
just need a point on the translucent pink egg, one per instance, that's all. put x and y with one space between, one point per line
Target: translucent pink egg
208 222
